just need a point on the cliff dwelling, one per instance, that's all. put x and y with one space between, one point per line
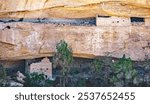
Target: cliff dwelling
43 67
116 36
121 21
30 30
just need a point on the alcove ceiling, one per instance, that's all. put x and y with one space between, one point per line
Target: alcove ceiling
73 8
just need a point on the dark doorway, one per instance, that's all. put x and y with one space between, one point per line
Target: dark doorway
137 19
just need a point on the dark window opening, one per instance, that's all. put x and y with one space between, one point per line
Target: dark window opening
80 65
8 27
137 19
46 76
104 16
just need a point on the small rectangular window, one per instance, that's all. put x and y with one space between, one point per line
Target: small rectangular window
137 19
103 16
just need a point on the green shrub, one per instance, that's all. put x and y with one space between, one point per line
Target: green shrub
81 82
37 80
2 72
63 58
63 55
97 65
123 71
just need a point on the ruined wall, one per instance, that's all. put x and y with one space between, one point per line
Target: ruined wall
147 22
43 67
112 21
33 40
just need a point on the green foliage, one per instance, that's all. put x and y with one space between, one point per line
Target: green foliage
37 80
123 70
97 65
2 72
49 83
74 71
81 83
124 64
4 80
64 52
63 58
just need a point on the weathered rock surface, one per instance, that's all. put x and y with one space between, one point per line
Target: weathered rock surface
75 8
33 40
15 84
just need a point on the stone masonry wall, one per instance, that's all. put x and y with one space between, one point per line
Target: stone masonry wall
112 21
43 67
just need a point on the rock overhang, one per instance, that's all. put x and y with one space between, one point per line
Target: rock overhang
75 8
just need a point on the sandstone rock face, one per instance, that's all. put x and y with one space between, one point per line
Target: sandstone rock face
33 40
75 8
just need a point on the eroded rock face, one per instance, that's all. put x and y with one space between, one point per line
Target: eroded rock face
75 8
33 40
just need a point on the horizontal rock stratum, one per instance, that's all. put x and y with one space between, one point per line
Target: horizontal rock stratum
33 40
20 40
73 8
